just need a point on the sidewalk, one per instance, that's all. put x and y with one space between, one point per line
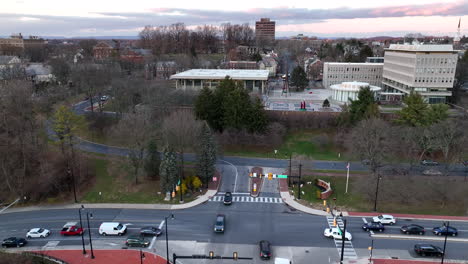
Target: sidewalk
291 201
212 190
397 261
122 256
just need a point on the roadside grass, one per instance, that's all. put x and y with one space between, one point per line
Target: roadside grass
115 183
353 201
313 144
16 257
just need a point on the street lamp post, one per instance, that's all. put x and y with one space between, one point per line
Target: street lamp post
142 256
376 192
82 233
446 225
299 193
167 240
343 239
290 171
88 215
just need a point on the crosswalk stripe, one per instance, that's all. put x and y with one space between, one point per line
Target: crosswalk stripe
248 199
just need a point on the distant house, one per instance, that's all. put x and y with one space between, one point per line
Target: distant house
268 63
104 49
10 68
313 68
39 72
160 69
246 65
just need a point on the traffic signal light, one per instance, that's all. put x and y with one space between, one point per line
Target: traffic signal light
211 255
270 176
234 256
334 221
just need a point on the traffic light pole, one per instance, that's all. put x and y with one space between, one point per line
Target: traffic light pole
445 241
299 194
343 239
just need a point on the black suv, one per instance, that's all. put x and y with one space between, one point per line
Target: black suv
137 241
220 223
374 226
265 249
227 198
413 229
428 250
14 242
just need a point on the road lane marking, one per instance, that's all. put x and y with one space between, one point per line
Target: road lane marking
162 223
431 238
152 242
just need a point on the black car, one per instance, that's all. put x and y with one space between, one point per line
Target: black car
428 250
14 242
374 226
413 229
220 223
443 230
265 249
227 198
150 231
137 241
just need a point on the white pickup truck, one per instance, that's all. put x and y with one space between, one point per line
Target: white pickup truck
282 261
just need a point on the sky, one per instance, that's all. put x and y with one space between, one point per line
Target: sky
330 18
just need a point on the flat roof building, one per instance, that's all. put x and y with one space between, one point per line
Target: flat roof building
346 91
426 69
265 29
339 72
196 79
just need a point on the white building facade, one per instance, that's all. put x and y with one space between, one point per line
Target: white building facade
346 91
196 79
338 72
426 69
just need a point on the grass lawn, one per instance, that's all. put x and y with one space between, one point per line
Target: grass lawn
353 201
8 257
115 183
315 144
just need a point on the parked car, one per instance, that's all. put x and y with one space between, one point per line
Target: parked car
14 242
112 228
429 163
227 198
336 233
374 226
38 232
428 250
443 230
150 231
220 223
365 162
104 98
137 241
265 249
71 229
384 219
413 229
432 172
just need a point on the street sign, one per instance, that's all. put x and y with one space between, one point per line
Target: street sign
282 176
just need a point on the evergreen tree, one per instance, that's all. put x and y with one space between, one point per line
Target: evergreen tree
221 95
299 78
236 109
153 160
257 121
168 170
206 154
326 103
365 52
364 107
419 113
204 105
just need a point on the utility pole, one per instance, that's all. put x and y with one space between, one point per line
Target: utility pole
343 239
290 171
376 192
82 233
299 193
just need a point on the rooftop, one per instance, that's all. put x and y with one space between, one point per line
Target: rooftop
354 63
216 74
421 47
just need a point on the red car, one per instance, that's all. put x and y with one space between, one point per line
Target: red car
71 229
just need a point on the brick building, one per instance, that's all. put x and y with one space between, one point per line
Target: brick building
265 29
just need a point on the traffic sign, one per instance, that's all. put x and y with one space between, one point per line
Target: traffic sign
282 176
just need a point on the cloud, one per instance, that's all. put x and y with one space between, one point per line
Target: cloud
106 23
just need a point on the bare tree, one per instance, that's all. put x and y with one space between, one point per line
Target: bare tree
134 131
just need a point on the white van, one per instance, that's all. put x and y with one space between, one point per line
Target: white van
282 261
112 228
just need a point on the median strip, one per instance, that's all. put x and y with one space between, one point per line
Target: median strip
429 238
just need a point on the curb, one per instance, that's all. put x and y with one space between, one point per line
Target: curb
410 216
429 238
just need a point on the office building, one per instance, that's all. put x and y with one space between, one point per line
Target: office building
265 29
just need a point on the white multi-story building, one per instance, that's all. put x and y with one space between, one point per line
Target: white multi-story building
339 72
426 69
